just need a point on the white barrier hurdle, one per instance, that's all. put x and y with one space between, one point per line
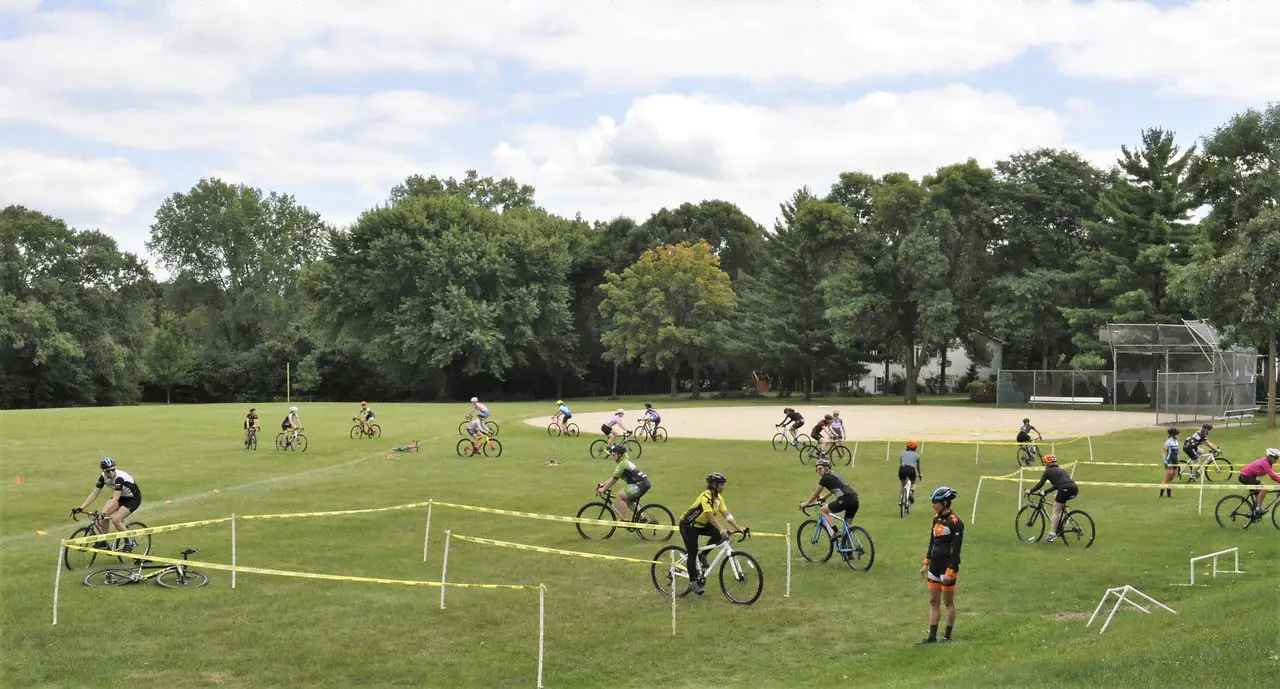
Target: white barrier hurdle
1121 593
1235 569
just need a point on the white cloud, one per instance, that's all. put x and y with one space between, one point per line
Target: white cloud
18 6
74 187
674 148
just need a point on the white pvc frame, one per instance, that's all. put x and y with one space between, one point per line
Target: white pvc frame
1121 593
1235 569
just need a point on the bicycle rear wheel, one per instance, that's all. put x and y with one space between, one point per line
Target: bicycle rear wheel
253 442
1234 512
572 430
802 440
280 441
492 427
814 543
79 559
660 434
670 578
181 578
1029 524
903 505
634 448
553 429
142 544
653 513
862 551
599 449
1077 528
596 510
492 447
464 447
375 431
741 579
109 576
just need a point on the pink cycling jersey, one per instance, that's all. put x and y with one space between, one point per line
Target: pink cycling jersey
1259 468
614 420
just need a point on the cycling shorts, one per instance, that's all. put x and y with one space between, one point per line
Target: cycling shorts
132 504
635 491
607 429
906 472
1066 493
1024 437
937 569
1171 460
1250 480
847 503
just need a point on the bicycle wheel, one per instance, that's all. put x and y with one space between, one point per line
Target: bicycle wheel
110 576
1029 524
669 578
1218 470
253 442
492 448
596 510
780 442
492 427
810 453
653 513
1234 511
572 430
903 505
300 443
375 431
862 551
355 432
802 440
79 559
1275 516
745 580
181 578
141 544
634 448
660 434
462 427
280 441
840 453
1023 457
1077 529
553 429
599 449
814 543
464 447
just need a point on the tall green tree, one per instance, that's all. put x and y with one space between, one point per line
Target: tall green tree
733 236
671 308
1238 172
492 194
169 361
1239 290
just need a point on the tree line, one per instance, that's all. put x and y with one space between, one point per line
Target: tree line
454 287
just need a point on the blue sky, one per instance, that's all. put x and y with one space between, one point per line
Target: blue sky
606 108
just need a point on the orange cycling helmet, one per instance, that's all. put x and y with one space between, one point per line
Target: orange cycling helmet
911 445
1051 459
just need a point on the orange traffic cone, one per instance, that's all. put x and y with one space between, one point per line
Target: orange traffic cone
17 480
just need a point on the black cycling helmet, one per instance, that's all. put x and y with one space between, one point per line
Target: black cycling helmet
716 478
648 406
1173 432
618 449
107 463
787 410
822 462
827 417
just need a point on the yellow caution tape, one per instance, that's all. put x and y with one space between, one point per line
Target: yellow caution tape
1124 464
1183 486
555 551
302 575
578 520
142 532
409 506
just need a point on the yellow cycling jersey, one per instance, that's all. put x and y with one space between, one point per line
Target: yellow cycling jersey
704 506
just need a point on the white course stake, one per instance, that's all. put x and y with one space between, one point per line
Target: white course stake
1090 439
426 538
57 581
233 550
444 569
886 450
977 449
542 612
671 574
974 517
854 458
1200 510
787 594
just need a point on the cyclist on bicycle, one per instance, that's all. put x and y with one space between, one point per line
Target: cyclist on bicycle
476 429
613 427
845 497
909 467
637 482
562 415
251 422
126 498
1191 446
481 411
837 426
651 417
365 417
1252 473
1062 482
700 520
942 562
820 433
1170 462
291 422
793 417
1024 432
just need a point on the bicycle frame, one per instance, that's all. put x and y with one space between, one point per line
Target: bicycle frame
842 534
723 550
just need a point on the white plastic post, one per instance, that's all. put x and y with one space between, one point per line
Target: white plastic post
444 569
886 450
1121 595
1018 497
854 458
233 550
921 447
1100 604
787 594
426 538
1090 439
977 449
57 581
673 592
974 517
542 617
1214 557
1073 469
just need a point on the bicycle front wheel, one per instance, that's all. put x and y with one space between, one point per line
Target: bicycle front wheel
464 448
814 543
670 577
355 432
553 429
1233 512
596 510
1077 528
79 559
181 578
810 453
658 515
780 442
840 453
1029 524
253 442
492 448
300 443
741 578
862 551
1218 470
110 576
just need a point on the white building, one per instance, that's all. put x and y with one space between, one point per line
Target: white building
957 364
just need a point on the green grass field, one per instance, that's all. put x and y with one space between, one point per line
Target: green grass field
1022 607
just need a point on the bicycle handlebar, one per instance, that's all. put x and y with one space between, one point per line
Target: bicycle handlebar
818 503
743 535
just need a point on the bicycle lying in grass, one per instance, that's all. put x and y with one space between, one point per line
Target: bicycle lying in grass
79 559
739 571
292 439
817 543
489 425
468 447
600 448
786 438
1236 511
1075 527
365 430
1212 465
653 513
168 576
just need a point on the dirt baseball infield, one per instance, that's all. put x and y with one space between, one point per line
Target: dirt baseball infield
897 422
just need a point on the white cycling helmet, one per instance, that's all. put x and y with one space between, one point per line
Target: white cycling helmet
475 399
1273 452
619 411
293 409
